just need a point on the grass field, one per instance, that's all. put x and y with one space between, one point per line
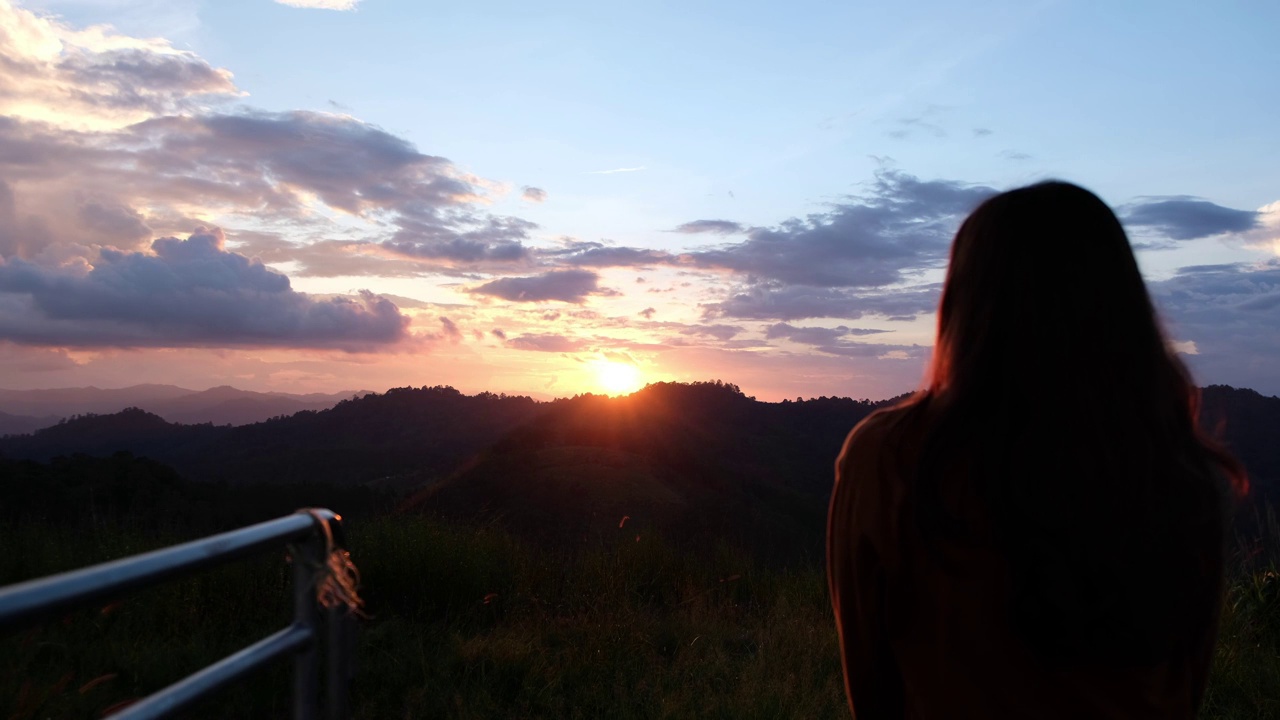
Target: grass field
628 628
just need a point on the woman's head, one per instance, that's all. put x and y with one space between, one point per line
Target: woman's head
1053 386
1043 291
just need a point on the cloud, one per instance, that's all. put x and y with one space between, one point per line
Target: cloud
815 335
449 330
832 341
981 132
499 333
348 164
470 241
617 170
647 313
15 358
111 141
273 169
722 227
533 194
902 226
910 126
1232 315
322 4
602 256
546 343
1267 235
96 78
719 332
1183 217
570 286
799 302
879 352
189 293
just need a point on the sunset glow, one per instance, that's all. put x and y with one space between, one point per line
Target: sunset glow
618 378
192 197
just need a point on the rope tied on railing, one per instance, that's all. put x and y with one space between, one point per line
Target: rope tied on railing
335 578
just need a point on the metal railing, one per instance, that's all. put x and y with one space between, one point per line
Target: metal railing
310 535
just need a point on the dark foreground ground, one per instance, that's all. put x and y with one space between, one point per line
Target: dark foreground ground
623 627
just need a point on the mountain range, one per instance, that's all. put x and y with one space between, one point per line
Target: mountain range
25 411
700 460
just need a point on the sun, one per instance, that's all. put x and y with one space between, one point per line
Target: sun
617 378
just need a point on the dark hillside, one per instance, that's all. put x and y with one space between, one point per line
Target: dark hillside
402 437
21 424
133 430
1249 424
700 460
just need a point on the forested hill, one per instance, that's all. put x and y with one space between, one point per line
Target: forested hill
401 436
700 461
408 436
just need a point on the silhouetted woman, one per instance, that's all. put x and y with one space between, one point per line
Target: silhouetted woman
1039 532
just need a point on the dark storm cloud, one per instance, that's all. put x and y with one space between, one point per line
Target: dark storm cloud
571 286
1232 314
1187 218
720 227
190 293
545 343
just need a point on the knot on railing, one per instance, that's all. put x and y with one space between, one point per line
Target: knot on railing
335 578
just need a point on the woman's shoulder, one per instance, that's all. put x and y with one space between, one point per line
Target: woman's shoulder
865 458
882 427
868 490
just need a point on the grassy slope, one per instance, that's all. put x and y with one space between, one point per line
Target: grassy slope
619 628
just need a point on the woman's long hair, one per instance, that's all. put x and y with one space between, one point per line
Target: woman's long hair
1054 389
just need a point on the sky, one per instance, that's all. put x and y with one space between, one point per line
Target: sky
556 198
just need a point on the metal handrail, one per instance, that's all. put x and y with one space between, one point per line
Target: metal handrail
307 532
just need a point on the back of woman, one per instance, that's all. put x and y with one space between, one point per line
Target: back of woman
1039 532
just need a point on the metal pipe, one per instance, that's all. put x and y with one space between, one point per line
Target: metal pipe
307 531
30 601
195 686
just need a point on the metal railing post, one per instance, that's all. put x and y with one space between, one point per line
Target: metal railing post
307 558
338 662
